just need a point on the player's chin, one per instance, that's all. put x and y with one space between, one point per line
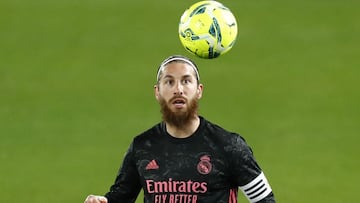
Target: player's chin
177 108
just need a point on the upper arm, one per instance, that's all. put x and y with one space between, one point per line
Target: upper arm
127 183
247 174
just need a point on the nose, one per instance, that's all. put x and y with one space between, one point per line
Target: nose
179 90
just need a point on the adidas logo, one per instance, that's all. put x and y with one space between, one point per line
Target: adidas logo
152 165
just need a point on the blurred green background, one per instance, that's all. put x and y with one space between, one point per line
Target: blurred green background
76 85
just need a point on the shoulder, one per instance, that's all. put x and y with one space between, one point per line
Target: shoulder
222 133
232 143
148 135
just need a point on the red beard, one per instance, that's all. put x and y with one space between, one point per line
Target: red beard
182 118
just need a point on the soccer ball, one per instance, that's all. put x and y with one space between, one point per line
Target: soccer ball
208 29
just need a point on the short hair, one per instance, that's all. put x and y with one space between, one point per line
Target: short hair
177 58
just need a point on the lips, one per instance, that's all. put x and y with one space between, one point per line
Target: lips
178 102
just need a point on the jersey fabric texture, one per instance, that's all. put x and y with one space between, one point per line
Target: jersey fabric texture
207 167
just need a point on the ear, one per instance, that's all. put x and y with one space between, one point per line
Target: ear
199 91
156 92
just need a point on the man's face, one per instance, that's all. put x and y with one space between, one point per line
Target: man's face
178 93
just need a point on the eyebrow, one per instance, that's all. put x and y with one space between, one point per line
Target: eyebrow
187 76
167 76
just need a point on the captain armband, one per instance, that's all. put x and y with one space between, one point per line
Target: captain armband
257 189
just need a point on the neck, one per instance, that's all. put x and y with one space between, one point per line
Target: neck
185 130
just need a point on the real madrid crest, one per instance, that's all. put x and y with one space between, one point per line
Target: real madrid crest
204 166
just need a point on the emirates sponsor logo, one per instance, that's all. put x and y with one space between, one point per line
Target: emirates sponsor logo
173 191
204 166
173 186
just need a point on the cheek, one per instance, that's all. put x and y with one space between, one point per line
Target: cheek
164 95
194 95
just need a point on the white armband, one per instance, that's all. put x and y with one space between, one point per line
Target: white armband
257 189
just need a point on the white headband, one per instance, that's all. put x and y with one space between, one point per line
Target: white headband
177 58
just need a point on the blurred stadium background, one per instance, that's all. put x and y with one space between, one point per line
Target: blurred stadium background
76 85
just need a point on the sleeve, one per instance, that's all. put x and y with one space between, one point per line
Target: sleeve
248 175
127 183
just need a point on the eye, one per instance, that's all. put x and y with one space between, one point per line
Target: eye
169 82
186 81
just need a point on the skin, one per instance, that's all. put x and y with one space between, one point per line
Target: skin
177 86
95 199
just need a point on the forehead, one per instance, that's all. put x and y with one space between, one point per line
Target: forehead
178 69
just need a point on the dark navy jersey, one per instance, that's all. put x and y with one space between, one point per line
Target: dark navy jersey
207 167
